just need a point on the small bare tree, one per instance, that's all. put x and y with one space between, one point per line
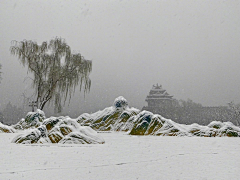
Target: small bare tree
56 71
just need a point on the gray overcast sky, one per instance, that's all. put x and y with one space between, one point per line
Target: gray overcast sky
190 47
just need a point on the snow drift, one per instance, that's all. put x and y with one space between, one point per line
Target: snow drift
62 130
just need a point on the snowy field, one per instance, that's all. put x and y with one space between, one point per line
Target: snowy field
123 157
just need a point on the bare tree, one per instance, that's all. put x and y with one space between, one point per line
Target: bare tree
56 71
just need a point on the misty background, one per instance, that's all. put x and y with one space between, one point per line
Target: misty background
190 47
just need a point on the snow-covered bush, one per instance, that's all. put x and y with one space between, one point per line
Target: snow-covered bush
141 123
32 120
114 118
225 129
147 123
118 117
120 103
60 130
29 138
6 129
109 119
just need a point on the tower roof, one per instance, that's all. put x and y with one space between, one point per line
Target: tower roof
157 92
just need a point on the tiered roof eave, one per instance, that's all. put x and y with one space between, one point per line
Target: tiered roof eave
157 93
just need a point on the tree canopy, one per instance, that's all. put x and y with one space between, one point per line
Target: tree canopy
56 70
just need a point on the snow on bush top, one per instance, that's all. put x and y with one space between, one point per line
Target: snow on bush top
32 119
60 130
120 103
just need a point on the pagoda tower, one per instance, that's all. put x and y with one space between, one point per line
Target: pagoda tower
158 97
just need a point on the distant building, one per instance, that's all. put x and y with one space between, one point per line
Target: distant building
158 97
160 102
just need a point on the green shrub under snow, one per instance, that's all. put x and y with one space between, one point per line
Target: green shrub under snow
62 130
32 120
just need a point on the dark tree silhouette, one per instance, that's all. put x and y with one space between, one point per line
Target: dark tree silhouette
11 114
56 71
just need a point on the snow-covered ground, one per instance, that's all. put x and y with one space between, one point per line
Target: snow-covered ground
123 157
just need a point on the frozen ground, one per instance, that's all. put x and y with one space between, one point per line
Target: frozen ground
123 157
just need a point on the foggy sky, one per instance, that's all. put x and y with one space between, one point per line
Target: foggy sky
190 47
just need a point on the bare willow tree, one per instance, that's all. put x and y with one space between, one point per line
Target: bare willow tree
56 70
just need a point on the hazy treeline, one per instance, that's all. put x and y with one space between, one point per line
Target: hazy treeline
188 112
181 111
11 114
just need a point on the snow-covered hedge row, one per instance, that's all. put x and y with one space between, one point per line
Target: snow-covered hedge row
120 117
147 123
